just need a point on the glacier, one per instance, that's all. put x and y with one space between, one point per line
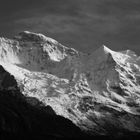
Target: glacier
99 92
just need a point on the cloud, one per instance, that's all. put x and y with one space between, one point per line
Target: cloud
82 24
50 23
82 32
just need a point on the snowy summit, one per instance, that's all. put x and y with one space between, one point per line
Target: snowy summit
100 92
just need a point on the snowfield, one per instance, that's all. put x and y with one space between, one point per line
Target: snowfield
99 92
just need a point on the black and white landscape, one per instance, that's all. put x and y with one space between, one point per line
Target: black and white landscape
68 69
98 92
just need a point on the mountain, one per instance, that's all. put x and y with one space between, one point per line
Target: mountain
98 92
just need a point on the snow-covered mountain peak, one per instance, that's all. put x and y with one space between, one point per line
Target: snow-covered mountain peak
54 49
31 36
105 49
102 54
99 92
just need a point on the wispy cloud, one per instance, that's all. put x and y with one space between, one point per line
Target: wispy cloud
83 24
87 29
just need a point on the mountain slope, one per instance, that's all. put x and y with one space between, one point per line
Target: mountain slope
99 92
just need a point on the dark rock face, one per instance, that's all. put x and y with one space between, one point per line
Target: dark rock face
7 80
22 117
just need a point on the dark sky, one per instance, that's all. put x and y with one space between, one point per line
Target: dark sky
82 24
